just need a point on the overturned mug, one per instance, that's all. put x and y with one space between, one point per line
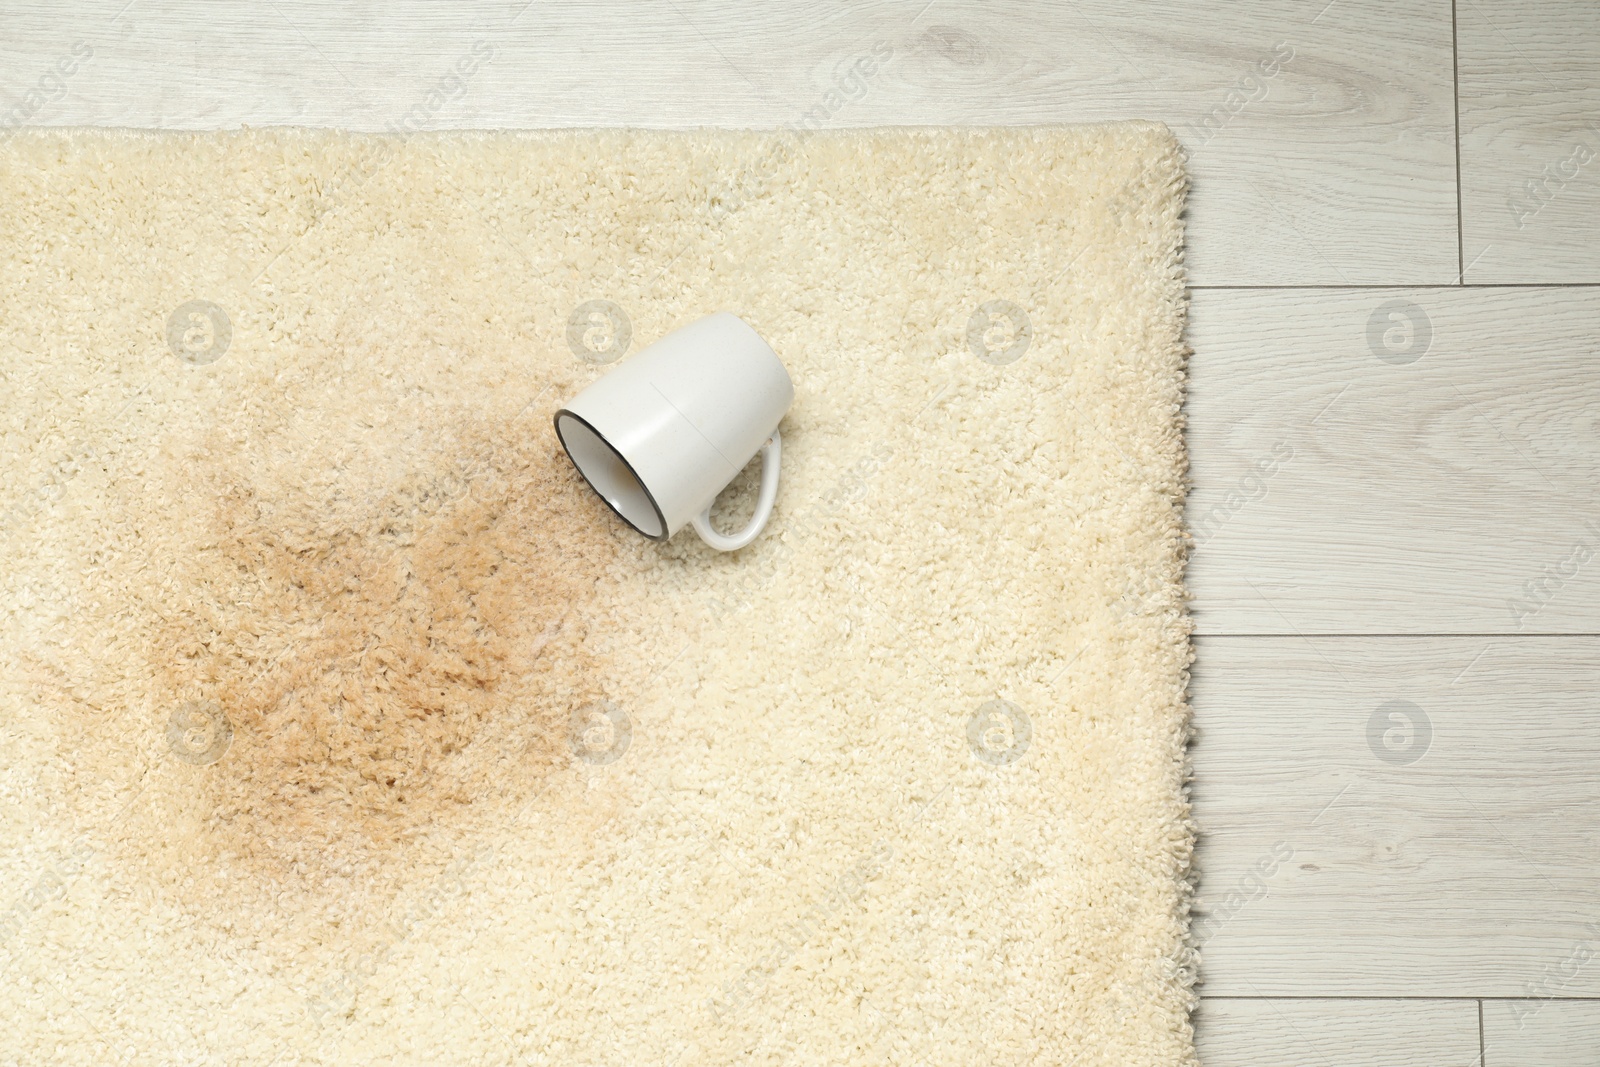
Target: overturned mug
663 433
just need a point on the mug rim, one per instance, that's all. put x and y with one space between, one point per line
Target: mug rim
661 519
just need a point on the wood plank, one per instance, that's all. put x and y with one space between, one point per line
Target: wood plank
1541 1033
1397 816
1316 157
1351 1033
1395 461
1530 141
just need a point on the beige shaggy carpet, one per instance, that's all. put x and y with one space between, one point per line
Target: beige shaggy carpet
343 724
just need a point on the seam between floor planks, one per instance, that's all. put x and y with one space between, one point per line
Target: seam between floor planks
1397 285
1393 996
1468 635
1455 96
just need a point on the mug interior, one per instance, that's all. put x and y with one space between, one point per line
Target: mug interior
609 474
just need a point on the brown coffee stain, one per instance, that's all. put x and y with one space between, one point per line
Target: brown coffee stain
399 673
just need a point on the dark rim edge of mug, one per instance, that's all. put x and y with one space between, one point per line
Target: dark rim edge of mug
660 518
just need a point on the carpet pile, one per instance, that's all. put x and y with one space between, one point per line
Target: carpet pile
343 724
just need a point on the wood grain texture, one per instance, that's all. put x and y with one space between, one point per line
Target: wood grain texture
1541 1033
1450 494
1339 488
1388 816
1321 139
1530 141
1350 1033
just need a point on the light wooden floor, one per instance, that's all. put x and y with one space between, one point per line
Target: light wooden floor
1395 413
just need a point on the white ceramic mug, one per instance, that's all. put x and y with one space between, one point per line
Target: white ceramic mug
662 433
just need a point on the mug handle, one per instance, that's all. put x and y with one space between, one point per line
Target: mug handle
770 451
